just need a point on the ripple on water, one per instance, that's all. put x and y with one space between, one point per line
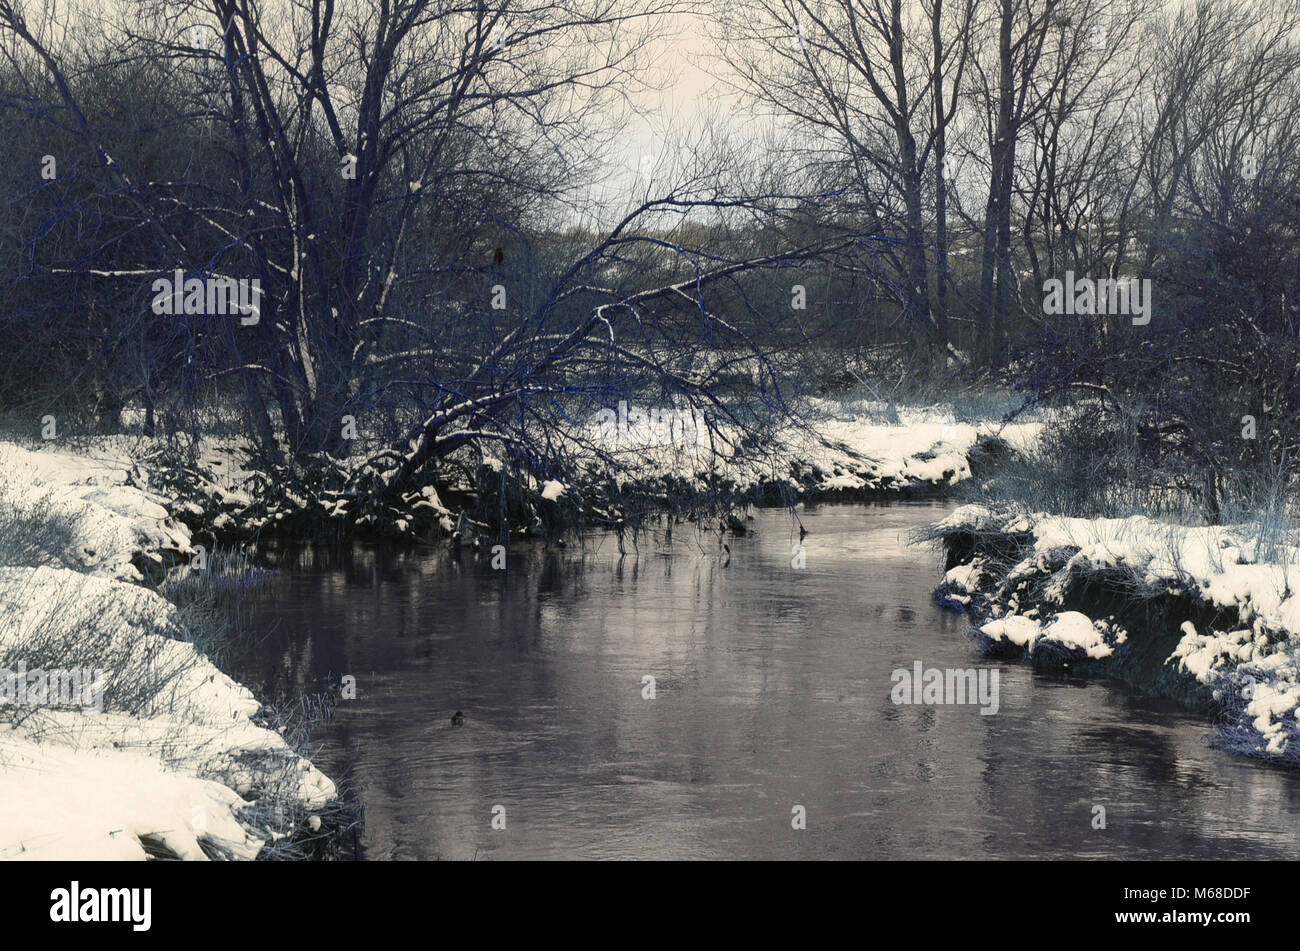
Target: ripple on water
772 690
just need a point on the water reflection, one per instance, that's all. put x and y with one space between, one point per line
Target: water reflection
772 690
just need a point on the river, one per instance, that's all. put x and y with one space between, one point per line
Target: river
771 700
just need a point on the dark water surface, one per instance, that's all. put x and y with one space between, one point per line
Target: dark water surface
772 690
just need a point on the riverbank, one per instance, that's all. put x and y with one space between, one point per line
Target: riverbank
1207 615
119 737
840 450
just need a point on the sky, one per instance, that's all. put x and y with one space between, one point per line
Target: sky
686 68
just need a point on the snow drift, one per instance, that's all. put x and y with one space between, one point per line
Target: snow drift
1190 612
175 763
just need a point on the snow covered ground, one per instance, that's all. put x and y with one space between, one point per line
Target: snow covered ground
912 447
163 759
1243 641
853 446
106 523
847 449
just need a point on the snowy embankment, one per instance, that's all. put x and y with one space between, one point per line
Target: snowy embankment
155 751
844 449
624 466
1210 615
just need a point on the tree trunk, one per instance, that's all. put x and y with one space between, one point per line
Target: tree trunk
996 255
940 186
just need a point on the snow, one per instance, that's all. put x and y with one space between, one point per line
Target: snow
1076 630
848 446
1269 707
175 750
854 446
109 521
1215 559
861 445
1257 657
1205 656
62 605
60 804
1021 631
1070 629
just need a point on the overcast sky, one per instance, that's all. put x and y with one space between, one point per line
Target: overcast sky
686 68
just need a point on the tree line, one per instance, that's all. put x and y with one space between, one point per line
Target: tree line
409 181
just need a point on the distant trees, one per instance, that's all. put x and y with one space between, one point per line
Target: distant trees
405 182
409 183
871 89
1203 201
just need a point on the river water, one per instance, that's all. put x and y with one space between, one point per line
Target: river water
771 692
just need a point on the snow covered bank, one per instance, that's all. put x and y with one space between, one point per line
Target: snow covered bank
853 452
1189 612
614 475
847 449
81 512
169 759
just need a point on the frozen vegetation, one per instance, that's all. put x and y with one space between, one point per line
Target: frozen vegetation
162 755
1208 614
638 467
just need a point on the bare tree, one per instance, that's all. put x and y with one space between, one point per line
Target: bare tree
405 181
869 78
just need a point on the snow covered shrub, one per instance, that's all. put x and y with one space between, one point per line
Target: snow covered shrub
55 619
1005 638
953 596
1258 705
319 498
31 533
